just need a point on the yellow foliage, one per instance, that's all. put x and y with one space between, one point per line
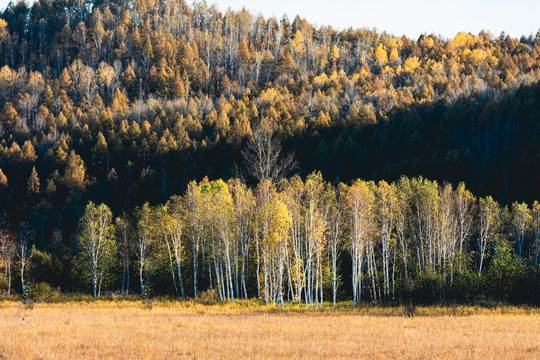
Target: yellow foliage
320 80
334 56
269 96
462 39
394 55
381 57
411 64
298 42
427 43
475 57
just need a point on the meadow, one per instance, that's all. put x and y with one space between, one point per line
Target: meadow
168 330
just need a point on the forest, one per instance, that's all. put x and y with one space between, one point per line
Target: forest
133 137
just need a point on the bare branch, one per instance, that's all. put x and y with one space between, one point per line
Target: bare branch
263 158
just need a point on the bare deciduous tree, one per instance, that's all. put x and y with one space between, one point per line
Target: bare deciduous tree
263 157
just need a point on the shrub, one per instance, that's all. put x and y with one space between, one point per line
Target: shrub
39 290
208 297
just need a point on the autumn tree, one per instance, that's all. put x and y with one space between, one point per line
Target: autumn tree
359 212
465 203
144 242
176 209
25 239
489 224
96 240
125 247
276 222
386 204
333 210
521 219
194 224
243 207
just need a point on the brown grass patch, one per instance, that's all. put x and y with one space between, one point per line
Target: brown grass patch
136 330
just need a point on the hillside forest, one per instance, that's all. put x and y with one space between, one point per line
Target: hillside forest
173 149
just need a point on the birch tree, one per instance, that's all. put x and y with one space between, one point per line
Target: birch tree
26 237
165 223
315 228
175 207
293 192
447 230
386 207
144 240
220 218
274 245
403 213
265 192
521 219
194 217
465 204
359 206
125 248
489 223
244 204
334 218
96 240
425 208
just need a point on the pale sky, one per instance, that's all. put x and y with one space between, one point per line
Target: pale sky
409 17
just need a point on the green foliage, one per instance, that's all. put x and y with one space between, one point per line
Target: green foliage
506 271
3 282
45 268
39 291
146 291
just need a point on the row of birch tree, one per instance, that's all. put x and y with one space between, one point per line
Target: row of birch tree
285 241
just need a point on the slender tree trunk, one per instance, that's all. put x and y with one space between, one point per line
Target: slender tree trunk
9 277
123 278
194 268
127 283
258 271
100 282
94 280
179 267
141 267
22 275
172 268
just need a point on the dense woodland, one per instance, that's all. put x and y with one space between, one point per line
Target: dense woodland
126 103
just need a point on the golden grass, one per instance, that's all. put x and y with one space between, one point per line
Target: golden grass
136 330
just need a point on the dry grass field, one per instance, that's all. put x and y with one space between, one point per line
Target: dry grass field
135 330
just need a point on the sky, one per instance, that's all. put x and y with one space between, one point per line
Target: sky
402 17
406 17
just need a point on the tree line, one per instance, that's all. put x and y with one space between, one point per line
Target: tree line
300 241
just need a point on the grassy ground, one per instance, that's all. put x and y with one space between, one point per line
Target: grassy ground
165 330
